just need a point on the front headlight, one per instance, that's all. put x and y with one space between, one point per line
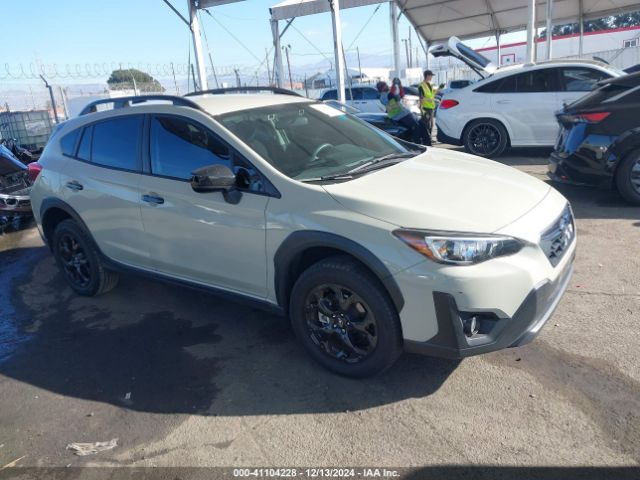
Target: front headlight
458 248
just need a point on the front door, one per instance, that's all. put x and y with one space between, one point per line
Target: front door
200 237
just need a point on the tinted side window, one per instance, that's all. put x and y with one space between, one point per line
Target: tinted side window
68 142
330 95
488 87
508 85
115 142
491 87
370 94
543 80
84 151
581 79
178 147
356 92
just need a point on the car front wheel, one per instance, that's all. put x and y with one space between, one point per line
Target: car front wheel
345 318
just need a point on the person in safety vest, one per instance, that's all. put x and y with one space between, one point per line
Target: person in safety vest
391 98
427 103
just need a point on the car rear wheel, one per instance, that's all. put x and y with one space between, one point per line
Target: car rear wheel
345 319
79 260
485 138
628 177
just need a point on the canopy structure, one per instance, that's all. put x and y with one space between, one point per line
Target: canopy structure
437 20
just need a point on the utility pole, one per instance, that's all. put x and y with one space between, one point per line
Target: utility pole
359 66
286 51
237 72
53 100
64 102
175 83
406 51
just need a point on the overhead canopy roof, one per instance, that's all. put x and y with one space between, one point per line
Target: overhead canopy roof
437 20
215 3
300 8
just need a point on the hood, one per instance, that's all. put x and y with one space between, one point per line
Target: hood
455 48
8 162
443 190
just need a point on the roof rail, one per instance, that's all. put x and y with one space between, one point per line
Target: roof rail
120 102
222 91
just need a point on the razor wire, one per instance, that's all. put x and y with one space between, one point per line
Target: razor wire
87 71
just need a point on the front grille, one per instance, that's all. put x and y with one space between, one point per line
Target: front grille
556 239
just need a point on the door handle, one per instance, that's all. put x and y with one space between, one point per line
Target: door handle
74 185
153 199
503 102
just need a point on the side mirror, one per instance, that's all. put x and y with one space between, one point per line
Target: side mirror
213 178
216 178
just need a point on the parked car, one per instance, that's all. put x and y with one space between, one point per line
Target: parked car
290 204
367 99
599 141
377 119
453 85
512 105
15 185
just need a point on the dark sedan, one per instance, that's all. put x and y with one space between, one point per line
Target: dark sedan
599 140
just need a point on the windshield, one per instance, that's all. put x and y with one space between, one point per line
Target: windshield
310 140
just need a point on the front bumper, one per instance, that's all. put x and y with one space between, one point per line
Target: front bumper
16 203
495 333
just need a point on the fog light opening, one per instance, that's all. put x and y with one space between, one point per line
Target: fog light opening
471 325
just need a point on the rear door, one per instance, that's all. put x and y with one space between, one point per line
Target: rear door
103 186
201 237
527 102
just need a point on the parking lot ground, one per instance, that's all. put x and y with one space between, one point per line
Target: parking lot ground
182 378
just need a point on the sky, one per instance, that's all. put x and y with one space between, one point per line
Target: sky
114 32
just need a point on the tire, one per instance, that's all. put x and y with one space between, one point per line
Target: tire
79 259
369 323
628 177
485 138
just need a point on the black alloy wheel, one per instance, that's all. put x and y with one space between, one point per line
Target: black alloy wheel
340 323
485 138
74 261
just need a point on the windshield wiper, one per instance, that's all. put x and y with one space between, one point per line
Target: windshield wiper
337 176
379 161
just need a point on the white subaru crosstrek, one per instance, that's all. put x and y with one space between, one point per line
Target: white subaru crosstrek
370 245
514 105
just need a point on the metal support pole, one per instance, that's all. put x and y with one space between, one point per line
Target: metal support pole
498 48
337 46
359 65
53 100
197 45
581 22
549 28
64 102
286 51
531 31
393 18
278 67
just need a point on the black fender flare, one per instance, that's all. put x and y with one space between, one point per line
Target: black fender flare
291 249
51 203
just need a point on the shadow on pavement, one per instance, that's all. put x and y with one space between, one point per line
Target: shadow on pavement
152 347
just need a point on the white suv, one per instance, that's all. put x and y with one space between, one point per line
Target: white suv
369 244
514 105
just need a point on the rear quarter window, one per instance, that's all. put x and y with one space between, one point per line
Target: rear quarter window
69 141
